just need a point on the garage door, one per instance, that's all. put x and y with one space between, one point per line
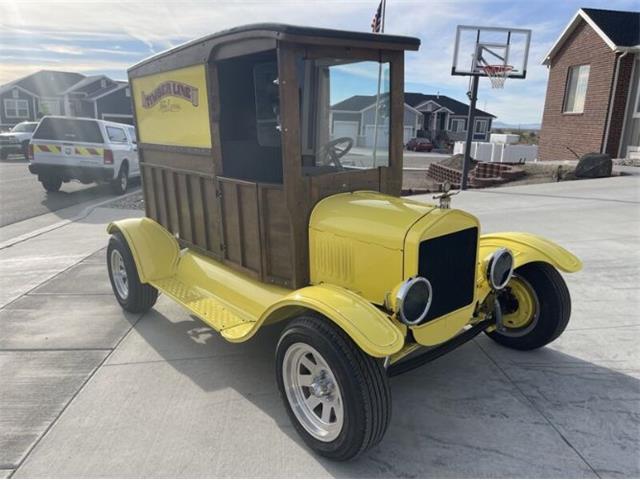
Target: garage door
408 134
345 129
383 135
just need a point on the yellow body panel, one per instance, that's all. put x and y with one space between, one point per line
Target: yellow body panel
356 240
175 97
236 305
351 273
154 249
527 248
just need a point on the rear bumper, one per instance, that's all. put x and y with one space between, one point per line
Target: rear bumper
84 174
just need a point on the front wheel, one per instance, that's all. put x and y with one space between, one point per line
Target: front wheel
336 396
133 295
536 307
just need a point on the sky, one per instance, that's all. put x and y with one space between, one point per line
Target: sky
106 37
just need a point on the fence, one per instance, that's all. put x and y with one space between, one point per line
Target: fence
499 152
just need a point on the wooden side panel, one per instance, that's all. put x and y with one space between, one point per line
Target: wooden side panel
250 227
241 225
148 192
276 237
348 181
172 198
186 219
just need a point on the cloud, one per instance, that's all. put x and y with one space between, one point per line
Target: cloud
85 35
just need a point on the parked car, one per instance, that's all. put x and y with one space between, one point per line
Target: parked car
88 150
17 139
420 145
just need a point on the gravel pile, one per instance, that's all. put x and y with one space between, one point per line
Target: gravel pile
132 202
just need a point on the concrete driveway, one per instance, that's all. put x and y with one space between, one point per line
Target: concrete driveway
88 391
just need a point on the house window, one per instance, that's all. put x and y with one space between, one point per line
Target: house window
481 126
576 90
16 108
457 125
49 107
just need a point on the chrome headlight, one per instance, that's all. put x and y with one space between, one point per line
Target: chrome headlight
413 300
500 268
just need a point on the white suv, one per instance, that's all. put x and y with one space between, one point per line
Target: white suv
66 148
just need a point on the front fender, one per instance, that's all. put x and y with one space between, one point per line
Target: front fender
155 251
368 327
527 248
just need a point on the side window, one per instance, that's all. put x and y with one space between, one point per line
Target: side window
116 135
576 89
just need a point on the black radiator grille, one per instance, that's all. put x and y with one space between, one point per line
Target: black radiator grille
449 263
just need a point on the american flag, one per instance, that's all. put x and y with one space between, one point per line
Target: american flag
376 23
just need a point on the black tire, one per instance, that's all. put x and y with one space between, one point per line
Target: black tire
120 184
554 309
366 397
51 184
141 296
25 150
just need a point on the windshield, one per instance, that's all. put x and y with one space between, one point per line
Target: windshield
69 130
345 115
24 127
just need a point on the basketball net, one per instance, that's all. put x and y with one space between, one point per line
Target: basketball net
497 74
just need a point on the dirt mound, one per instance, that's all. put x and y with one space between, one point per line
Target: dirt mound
456 162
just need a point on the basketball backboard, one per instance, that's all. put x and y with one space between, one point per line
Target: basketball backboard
478 49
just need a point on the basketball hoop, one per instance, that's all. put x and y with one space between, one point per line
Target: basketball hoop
497 74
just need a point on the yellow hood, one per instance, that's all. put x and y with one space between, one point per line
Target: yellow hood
371 217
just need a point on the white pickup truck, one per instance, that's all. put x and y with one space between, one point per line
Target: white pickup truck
17 139
84 149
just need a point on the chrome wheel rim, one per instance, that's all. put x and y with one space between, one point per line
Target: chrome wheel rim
313 392
119 274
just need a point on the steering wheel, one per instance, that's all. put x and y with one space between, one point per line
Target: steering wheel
335 152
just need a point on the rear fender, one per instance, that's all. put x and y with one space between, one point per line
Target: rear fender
155 251
368 327
527 248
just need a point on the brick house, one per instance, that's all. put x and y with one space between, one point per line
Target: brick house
593 100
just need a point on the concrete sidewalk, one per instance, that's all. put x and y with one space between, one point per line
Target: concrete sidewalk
90 391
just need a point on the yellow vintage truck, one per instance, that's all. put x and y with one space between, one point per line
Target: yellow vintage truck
264 204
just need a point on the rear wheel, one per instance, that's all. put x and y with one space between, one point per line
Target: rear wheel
120 184
133 295
51 184
536 307
25 150
337 396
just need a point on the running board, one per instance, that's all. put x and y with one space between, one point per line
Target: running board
416 361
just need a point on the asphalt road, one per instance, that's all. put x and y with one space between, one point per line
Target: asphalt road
22 196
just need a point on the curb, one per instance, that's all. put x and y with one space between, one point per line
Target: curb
83 214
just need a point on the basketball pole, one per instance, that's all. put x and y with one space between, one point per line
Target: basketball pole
466 164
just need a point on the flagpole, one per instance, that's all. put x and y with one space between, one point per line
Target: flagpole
375 121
